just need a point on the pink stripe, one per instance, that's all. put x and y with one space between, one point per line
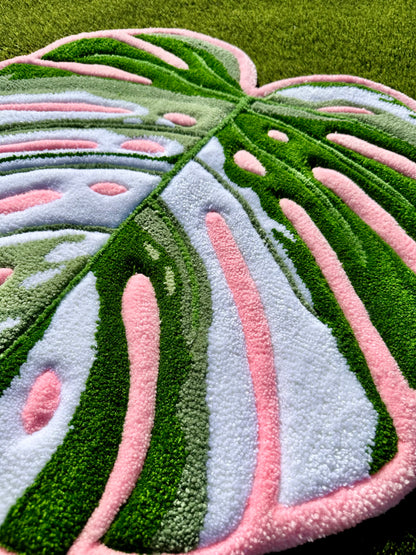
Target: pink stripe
42 402
261 363
372 213
5 552
108 188
62 107
347 109
141 319
246 161
4 274
17 203
143 145
47 144
391 159
95 70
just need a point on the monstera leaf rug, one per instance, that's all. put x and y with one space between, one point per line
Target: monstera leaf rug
207 299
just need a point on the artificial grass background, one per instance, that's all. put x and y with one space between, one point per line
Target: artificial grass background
285 38
372 39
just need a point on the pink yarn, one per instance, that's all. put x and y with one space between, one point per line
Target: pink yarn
180 119
63 107
47 144
4 274
140 315
261 363
248 73
20 202
248 162
42 402
108 188
391 159
143 145
371 213
346 109
278 135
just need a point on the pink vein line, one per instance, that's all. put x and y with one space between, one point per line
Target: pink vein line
141 319
346 109
371 213
391 159
62 107
261 363
47 144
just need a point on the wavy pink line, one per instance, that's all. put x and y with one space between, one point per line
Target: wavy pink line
47 144
140 315
371 213
387 157
62 107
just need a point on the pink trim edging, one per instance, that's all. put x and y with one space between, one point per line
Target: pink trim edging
390 159
371 213
140 315
350 505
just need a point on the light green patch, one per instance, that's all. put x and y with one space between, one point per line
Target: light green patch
34 282
170 280
153 253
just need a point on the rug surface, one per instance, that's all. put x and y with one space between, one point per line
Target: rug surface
206 301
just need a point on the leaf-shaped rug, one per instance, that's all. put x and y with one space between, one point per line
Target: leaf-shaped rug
207 299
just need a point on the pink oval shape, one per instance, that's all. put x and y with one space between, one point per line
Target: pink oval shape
248 162
42 402
345 109
108 188
63 107
180 119
20 202
278 135
143 145
47 144
4 274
